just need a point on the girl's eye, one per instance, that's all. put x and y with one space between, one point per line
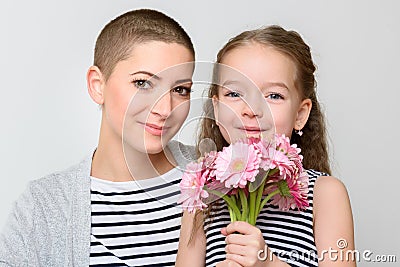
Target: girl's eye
274 96
233 94
183 91
142 84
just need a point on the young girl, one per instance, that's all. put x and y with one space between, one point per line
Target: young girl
117 207
279 63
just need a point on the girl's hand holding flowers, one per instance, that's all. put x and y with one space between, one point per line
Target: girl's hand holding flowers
243 243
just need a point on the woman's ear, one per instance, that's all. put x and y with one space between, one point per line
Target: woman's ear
95 84
303 113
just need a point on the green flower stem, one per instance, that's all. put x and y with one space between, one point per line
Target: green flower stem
265 200
273 171
231 214
259 193
230 202
245 209
253 207
236 200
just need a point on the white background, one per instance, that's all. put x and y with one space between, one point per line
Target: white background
48 121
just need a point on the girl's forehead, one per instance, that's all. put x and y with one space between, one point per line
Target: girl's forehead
263 66
257 55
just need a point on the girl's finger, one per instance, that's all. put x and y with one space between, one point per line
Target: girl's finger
239 239
228 263
242 260
236 249
246 251
242 227
223 231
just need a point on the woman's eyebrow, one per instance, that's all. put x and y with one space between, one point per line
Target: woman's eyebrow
152 75
183 81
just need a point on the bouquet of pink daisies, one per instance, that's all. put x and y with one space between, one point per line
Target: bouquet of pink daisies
247 174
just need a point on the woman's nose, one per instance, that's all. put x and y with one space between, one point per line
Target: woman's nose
163 105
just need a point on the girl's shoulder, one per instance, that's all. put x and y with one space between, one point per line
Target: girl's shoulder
314 174
329 192
322 182
332 212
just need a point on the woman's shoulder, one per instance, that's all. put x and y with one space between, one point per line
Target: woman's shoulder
67 177
60 186
182 153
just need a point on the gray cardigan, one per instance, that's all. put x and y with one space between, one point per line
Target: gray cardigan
50 223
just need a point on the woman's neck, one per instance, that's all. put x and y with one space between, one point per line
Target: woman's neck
114 162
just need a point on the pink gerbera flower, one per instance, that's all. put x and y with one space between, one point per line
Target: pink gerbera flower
192 187
237 164
267 151
292 191
291 151
209 165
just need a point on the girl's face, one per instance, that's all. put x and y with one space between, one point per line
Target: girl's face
262 99
147 96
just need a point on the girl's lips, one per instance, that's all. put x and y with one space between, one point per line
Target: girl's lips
251 129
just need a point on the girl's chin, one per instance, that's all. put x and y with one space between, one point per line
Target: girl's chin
253 135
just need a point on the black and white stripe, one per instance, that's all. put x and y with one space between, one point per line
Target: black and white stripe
289 234
135 223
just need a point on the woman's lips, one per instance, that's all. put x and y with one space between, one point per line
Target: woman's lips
155 129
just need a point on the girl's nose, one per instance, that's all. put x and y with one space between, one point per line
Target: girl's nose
253 107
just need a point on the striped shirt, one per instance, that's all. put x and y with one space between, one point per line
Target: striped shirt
135 223
288 234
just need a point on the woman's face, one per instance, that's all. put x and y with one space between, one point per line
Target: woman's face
147 96
258 97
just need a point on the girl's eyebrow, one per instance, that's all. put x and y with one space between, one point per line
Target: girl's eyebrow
228 82
277 84
232 82
147 73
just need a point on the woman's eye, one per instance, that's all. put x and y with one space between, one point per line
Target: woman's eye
233 94
183 91
142 84
274 96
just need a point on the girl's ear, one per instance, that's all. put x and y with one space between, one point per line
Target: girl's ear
215 106
95 84
303 113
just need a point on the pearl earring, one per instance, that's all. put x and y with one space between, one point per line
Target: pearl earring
299 132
